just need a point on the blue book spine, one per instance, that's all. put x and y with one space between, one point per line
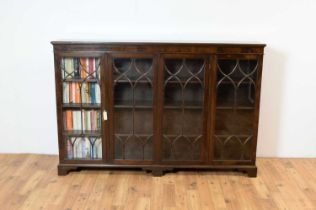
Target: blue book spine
92 93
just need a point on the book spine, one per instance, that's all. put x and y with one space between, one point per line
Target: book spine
95 68
74 120
83 120
82 68
97 94
79 120
64 93
92 93
67 92
89 120
83 148
69 125
70 92
99 149
69 149
95 150
73 89
78 145
86 120
96 126
82 96
87 93
77 93
88 149
76 67
69 68
99 121
91 66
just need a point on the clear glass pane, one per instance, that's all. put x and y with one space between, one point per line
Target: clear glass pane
83 148
133 108
236 82
81 107
183 109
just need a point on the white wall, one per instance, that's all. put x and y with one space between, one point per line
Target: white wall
288 103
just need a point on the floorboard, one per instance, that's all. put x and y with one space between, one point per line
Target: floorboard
30 181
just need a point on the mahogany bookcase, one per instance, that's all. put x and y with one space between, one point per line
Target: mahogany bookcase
157 106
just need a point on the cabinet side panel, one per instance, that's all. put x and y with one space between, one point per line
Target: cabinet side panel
58 89
257 109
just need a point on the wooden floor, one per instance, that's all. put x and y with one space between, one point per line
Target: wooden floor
31 182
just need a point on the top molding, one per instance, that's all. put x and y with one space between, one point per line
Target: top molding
159 47
159 43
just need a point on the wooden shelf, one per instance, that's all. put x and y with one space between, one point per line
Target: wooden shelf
132 81
79 80
84 105
85 133
183 82
180 107
131 106
237 108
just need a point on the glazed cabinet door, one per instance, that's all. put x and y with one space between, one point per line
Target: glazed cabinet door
183 82
80 101
236 110
132 107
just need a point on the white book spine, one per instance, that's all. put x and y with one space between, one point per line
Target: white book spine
97 93
89 120
76 119
88 149
99 149
64 93
83 120
67 92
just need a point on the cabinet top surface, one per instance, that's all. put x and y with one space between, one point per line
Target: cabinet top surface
237 44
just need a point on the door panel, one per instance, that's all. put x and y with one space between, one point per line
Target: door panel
236 85
183 84
133 103
82 130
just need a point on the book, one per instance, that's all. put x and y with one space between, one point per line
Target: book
97 94
83 68
87 154
76 68
92 93
98 144
91 66
77 92
68 67
69 148
69 120
65 93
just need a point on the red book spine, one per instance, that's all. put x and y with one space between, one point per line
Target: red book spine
91 67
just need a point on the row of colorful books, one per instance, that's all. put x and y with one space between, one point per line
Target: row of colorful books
90 92
80 68
82 120
84 148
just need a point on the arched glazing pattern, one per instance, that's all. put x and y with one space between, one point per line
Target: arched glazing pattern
84 148
235 106
183 108
133 108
